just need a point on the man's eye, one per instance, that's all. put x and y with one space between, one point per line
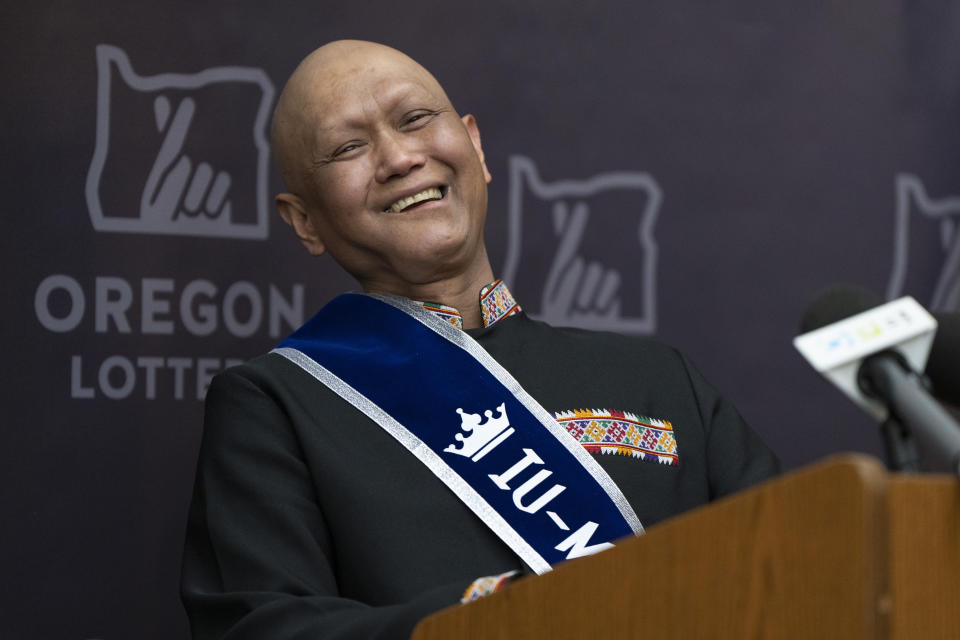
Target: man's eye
347 148
418 117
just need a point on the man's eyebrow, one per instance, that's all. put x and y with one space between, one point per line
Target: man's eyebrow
397 94
352 122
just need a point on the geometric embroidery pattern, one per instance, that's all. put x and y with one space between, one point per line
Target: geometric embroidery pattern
445 313
482 587
611 432
496 303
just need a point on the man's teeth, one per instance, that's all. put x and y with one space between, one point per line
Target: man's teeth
433 193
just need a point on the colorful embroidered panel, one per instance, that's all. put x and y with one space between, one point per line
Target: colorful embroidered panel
496 303
612 432
445 313
482 587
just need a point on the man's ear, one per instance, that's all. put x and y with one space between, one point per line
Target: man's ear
471 124
294 212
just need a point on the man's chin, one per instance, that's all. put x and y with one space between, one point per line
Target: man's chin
441 264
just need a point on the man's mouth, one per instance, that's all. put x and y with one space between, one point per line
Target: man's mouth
433 193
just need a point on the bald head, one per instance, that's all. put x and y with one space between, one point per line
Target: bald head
320 76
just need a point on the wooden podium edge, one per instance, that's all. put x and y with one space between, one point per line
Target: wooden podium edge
805 553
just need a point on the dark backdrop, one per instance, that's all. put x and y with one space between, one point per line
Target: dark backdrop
730 158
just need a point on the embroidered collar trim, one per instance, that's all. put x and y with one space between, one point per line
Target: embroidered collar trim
496 303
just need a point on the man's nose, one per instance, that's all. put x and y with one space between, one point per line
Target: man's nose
399 154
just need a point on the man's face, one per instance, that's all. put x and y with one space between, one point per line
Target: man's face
395 185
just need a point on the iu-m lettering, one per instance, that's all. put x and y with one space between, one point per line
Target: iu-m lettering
157 306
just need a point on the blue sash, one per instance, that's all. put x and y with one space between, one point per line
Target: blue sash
442 396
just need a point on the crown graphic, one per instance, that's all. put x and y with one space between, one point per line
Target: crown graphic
483 437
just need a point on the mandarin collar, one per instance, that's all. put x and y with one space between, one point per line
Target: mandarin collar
495 300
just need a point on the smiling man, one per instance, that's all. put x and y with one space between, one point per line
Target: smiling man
423 442
384 175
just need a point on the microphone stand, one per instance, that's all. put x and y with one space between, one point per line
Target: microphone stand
898 446
886 377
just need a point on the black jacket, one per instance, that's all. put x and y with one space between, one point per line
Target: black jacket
310 521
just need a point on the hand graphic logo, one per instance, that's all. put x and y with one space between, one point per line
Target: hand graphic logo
173 180
567 248
577 292
207 174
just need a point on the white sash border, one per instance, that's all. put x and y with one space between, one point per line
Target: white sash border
474 501
463 340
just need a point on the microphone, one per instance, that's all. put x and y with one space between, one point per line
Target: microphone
872 353
943 367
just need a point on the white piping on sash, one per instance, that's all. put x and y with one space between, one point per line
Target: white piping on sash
463 340
424 454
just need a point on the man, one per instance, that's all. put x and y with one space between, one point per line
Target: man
322 509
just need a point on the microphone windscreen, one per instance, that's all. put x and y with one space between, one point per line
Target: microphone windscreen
943 367
836 303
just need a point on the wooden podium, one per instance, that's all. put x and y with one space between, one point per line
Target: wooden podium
841 549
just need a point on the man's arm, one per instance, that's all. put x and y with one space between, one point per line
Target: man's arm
736 456
258 561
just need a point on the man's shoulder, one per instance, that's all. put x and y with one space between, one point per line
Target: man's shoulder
265 371
581 339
